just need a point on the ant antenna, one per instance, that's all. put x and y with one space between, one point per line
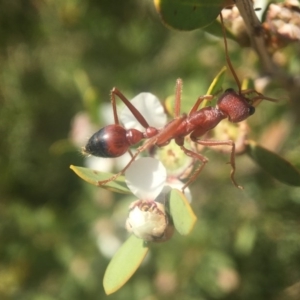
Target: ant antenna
227 56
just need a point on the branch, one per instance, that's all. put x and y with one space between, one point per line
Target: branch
256 34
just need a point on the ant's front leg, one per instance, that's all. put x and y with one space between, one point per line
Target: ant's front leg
199 101
131 107
232 155
259 96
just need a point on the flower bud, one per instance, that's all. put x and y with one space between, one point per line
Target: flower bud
148 220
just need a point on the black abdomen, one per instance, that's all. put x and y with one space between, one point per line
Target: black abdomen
110 141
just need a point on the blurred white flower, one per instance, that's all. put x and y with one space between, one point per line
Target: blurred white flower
107 240
106 114
81 128
107 164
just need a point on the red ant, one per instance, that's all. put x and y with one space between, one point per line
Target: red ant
115 140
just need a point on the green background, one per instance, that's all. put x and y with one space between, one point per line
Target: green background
61 57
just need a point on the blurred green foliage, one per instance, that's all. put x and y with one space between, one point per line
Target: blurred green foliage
60 57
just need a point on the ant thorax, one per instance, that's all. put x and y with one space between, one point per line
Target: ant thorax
204 120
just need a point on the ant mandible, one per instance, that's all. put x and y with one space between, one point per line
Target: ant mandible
114 140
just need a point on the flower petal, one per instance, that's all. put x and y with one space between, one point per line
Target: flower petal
151 109
146 178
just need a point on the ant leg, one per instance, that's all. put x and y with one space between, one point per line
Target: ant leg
197 156
232 155
227 55
114 177
178 99
148 144
249 91
130 153
130 106
114 106
178 90
259 95
199 101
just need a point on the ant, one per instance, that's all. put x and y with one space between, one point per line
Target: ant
114 140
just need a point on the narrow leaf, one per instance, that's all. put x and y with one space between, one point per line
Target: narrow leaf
274 164
91 176
188 14
181 212
216 85
124 264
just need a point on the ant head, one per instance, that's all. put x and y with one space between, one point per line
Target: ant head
235 106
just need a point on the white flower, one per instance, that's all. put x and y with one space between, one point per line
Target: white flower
151 109
146 178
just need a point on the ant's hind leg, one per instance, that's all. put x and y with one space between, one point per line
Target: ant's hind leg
232 155
134 111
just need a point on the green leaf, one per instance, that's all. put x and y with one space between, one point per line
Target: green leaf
216 85
188 14
181 212
124 263
274 164
91 176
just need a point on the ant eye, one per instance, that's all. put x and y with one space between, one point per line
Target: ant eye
229 90
251 110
